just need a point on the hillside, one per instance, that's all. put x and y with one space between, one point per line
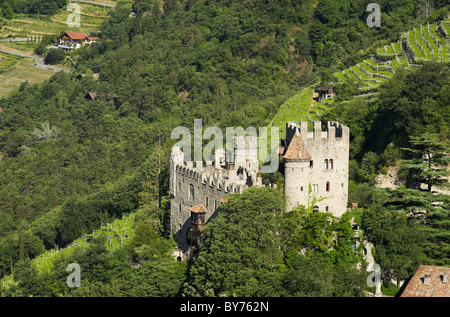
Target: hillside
426 43
71 165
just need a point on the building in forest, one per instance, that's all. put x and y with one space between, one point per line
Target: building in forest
314 164
72 40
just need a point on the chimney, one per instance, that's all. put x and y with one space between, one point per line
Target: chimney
445 278
426 279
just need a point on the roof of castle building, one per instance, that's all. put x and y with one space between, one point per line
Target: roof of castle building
198 209
297 149
434 286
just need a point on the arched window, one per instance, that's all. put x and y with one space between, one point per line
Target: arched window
331 164
316 208
328 187
325 164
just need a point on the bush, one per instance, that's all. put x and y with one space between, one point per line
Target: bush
390 289
54 56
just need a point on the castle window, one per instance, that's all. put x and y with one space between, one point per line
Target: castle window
316 208
315 188
301 188
325 164
326 208
331 164
191 192
328 187
180 209
311 163
206 202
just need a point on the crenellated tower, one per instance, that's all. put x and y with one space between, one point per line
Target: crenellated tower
316 164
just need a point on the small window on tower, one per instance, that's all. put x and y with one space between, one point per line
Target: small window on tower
315 188
331 164
311 163
191 192
328 187
325 164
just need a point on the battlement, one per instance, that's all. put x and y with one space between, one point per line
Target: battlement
335 131
234 178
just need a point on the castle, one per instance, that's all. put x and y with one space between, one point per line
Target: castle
314 163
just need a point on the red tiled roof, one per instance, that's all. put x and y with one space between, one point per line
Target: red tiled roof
92 38
198 209
436 288
76 35
297 149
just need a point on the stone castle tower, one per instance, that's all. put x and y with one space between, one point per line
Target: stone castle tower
316 160
316 164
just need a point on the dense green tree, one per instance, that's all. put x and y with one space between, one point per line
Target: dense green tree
398 242
429 162
240 246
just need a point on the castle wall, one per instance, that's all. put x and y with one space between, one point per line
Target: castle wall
191 186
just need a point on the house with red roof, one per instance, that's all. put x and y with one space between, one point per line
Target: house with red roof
72 40
428 281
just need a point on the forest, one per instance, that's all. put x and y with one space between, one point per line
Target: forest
46 7
71 164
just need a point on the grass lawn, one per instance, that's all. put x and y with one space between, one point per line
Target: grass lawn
23 71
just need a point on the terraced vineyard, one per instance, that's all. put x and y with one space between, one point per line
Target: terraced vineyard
294 109
118 233
23 26
429 42
7 61
423 43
